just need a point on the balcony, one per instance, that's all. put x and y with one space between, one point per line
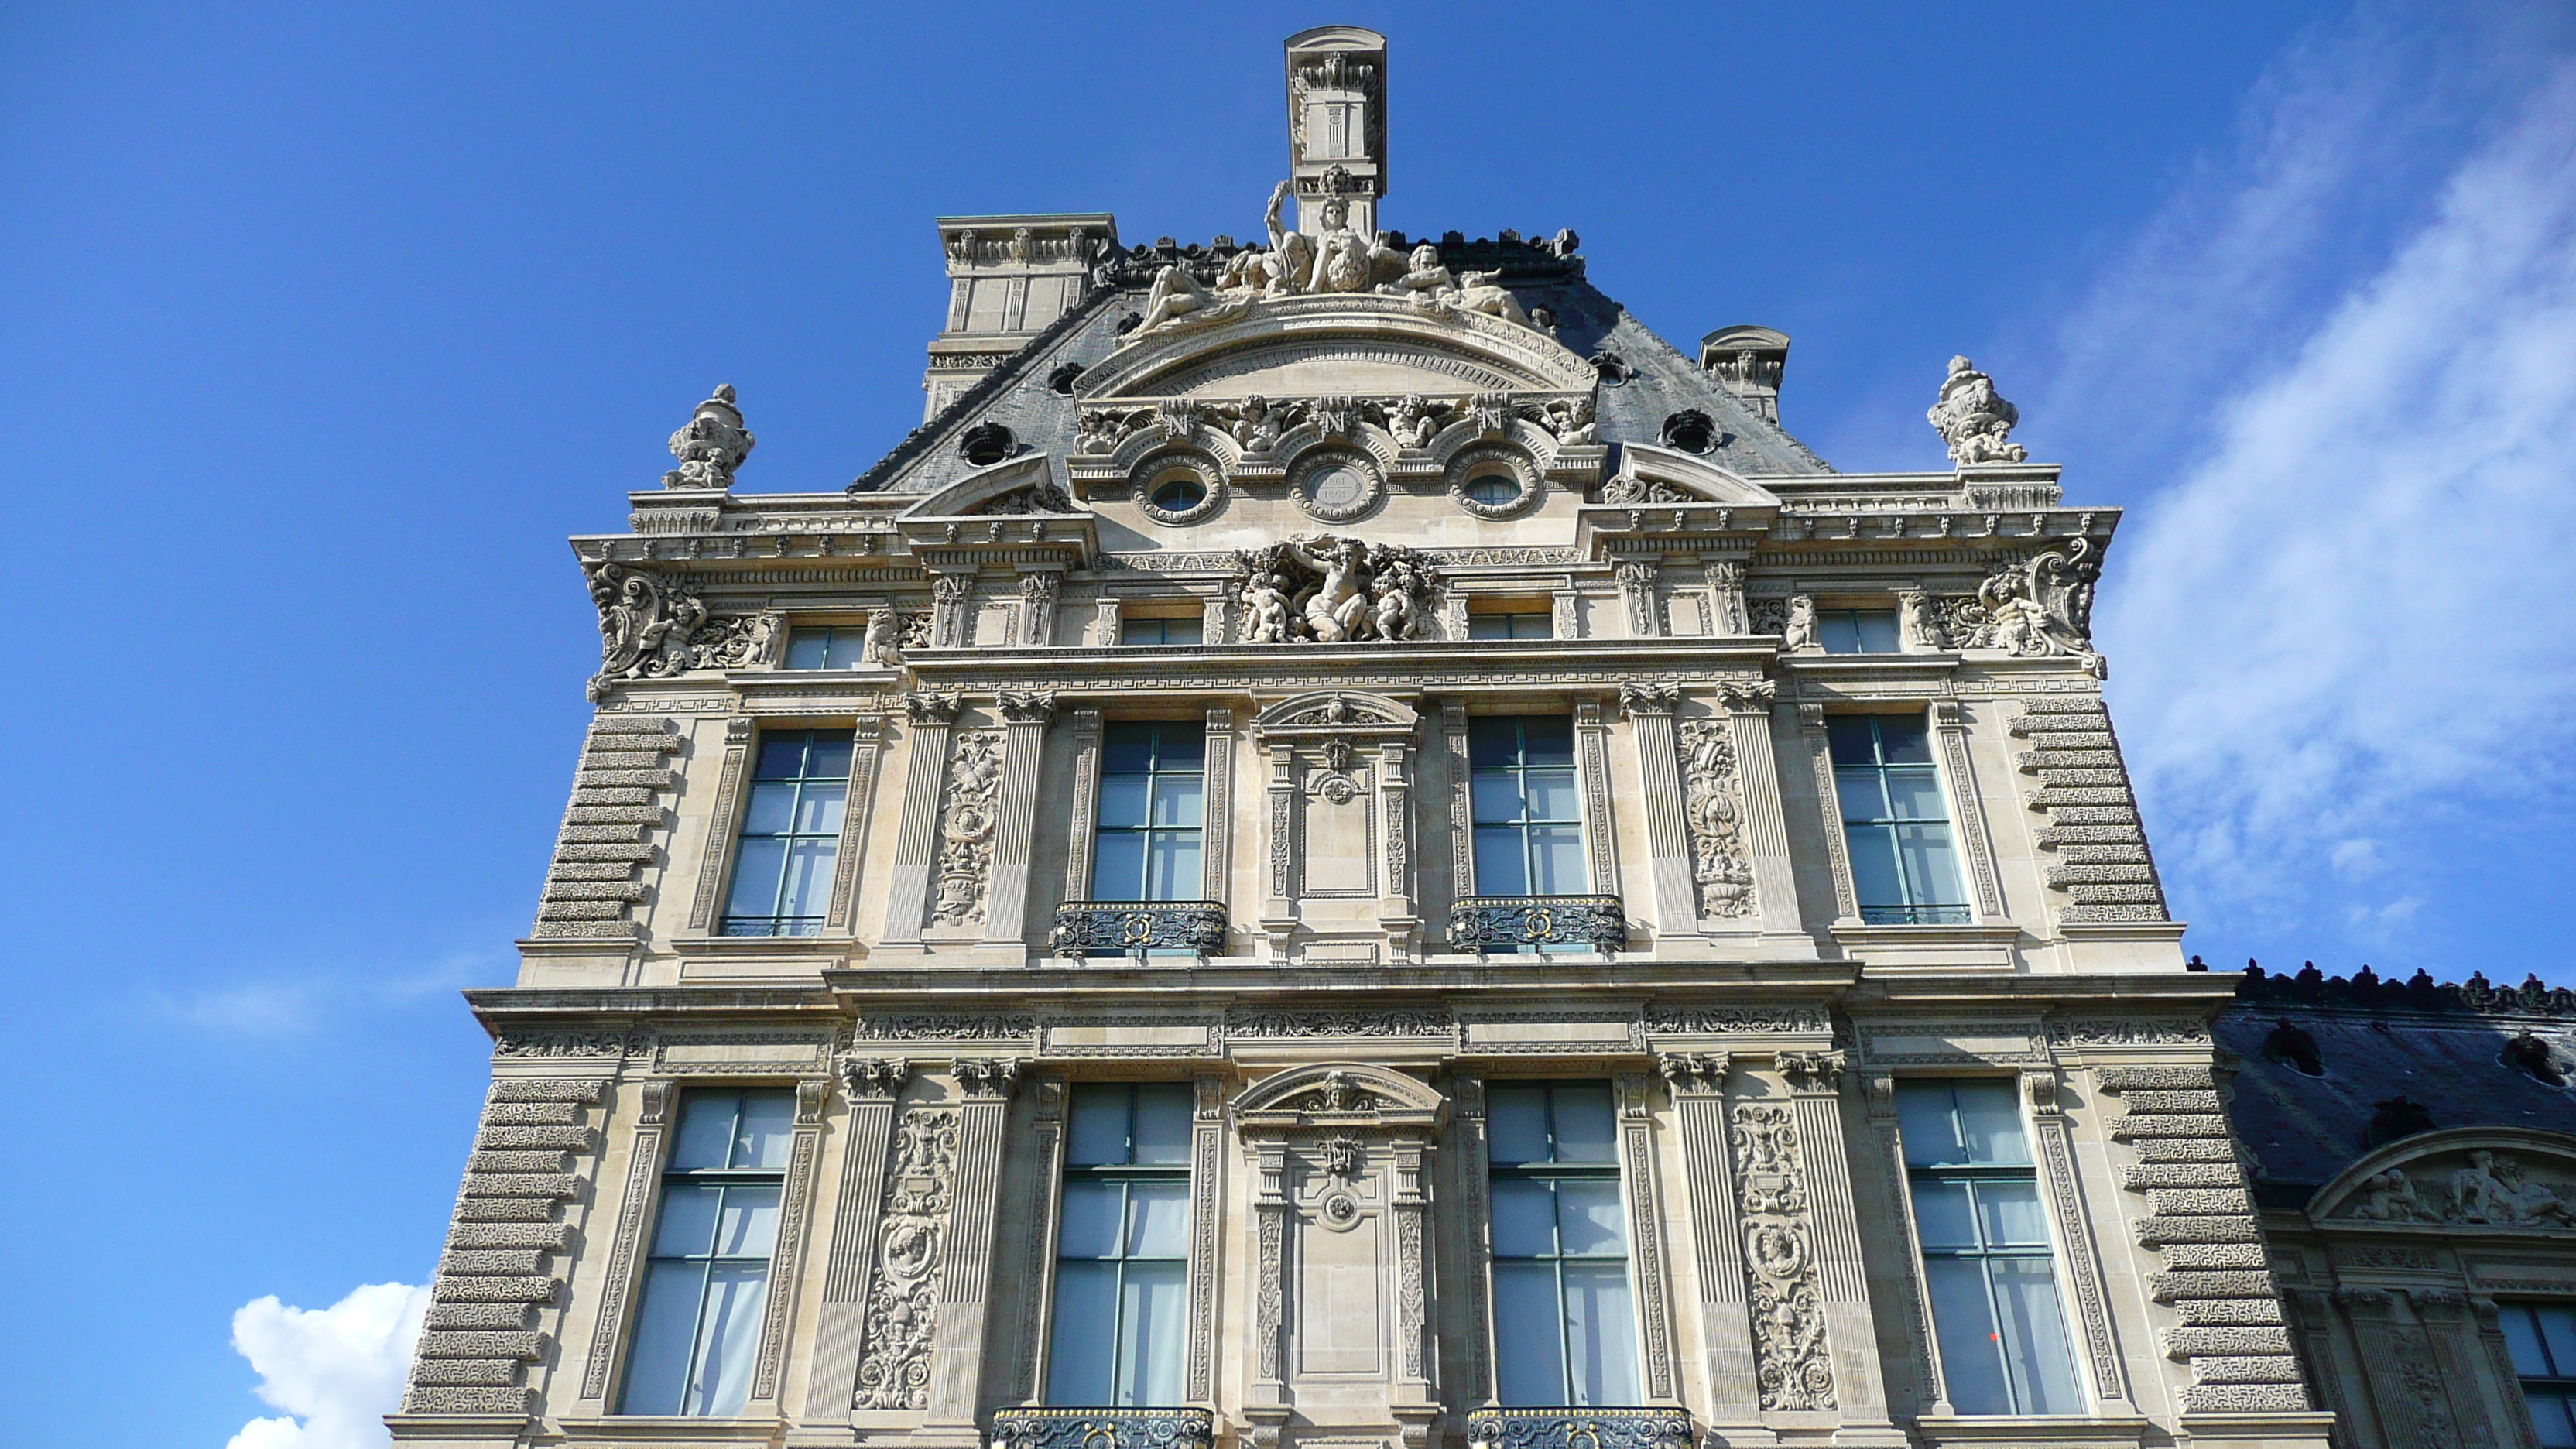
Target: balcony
1138 928
773 925
1579 1429
1486 924
1076 1428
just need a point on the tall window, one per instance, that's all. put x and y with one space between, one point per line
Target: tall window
782 873
2543 1339
1513 624
708 1278
1162 629
1899 831
1529 829
1564 1330
827 646
1857 631
1985 1249
1123 1255
1153 783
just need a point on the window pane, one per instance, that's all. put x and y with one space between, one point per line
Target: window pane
2522 1336
1901 739
1122 801
1158 1219
1990 1121
1183 631
1180 746
1942 1216
666 1331
1492 741
2009 1214
1497 798
1875 630
761 1134
1515 1123
1861 793
706 1132
756 875
1924 1119
1550 795
1150 1332
1172 867
1099 1132
1500 868
1589 1222
1600 1333
1556 860
728 1337
688 1224
782 756
1489 626
1118 866
1547 739
2034 1338
1848 735
772 810
1529 1335
1836 634
1931 870
809 877
2554 1415
1091 1220
1079 1352
2558 1330
829 756
748 1223
806 648
1176 800
1127 748
1873 865
1963 1321
818 807
1163 1123
1524 1223
1915 794
1583 1130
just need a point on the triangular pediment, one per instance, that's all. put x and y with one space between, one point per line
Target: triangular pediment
1345 344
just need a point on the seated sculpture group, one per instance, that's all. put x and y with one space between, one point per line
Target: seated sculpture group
1339 259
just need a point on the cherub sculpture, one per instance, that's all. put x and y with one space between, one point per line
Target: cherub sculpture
1411 423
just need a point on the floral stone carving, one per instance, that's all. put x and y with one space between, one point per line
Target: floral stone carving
646 625
903 1302
1712 807
1329 590
1780 1261
2036 607
966 828
1974 419
711 445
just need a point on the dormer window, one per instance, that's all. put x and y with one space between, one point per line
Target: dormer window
1179 493
1857 631
1494 490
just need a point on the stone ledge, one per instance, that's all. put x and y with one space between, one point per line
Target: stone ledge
2167 1287
2237 1339
2277 1368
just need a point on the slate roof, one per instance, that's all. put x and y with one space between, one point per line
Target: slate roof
2436 1045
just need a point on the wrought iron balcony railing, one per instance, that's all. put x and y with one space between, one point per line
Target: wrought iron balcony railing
1136 928
1523 923
1914 916
1076 1428
773 925
1579 1429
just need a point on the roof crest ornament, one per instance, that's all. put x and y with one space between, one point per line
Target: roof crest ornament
1974 419
711 444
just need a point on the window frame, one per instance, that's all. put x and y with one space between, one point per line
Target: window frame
837 637
1849 617
665 1178
1130 624
1911 911
1148 832
777 923
1125 1175
2557 1387
1612 1172
1522 824
1512 620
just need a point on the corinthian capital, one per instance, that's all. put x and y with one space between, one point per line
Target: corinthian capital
1637 699
1748 695
1027 706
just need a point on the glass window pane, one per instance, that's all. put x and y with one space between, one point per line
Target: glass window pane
1183 631
2558 1330
727 1338
1489 626
1497 798
1529 1335
1849 737
1963 1320
1550 795
1524 1218
1122 801
1873 865
772 810
1874 631
2522 1336
1180 746
1556 860
688 1222
666 1333
808 887
1942 1215
706 1132
2554 1415
2009 1215
1990 1121
1158 1219
1589 1222
1493 740
1151 1327
806 648
1500 868
1931 870
748 1223
1515 1123
1861 793
761 1134
1600 1334
1547 739
1915 794
1924 1120
756 875
818 807
1177 800
1835 634
1901 739
829 756
1118 866
1172 867
1583 1124
1099 1133
1081 1350
1127 747
782 756
1163 1123
2034 1337
1092 1225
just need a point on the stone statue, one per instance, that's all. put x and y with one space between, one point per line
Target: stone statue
646 627
1411 423
1798 635
1346 261
1918 625
1266 604
2390 1198
1331 590
1974 419
1426 283
2040 606
1572 422
878 646
1334 610
710 445
1177 293
1256 427
1484 292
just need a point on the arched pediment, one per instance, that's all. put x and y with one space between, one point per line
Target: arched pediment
1339 1093
1346 344
2518 1179
1649 474
980 490
1343 711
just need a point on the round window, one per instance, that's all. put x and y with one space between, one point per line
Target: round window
1494 490
1338 487
1178 493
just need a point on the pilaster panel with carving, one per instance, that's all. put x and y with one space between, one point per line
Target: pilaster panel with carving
967 820
2074 1229
619 1283
931 717
1950 726
1037 1259
1791 1364
1811 727
870 1085
1591 738
903 1301
1086 805
1216 861
1646 1232
1207 1212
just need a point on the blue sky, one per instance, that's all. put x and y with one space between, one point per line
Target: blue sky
324 325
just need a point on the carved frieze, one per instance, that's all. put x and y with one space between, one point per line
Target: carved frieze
1713 809
1330 590
903 1302
1780 1260
966 825
2482 1188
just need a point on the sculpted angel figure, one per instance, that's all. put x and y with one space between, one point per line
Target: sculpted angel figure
1265 610
1335 610
1411 423
1572 422
1392 589
1256 430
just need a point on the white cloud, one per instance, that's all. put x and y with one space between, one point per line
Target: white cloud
335 1371
2358 604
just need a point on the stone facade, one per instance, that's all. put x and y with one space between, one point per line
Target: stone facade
1269 495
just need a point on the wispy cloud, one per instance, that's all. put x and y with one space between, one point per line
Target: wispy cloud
335 1371
291 1003
2353 607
